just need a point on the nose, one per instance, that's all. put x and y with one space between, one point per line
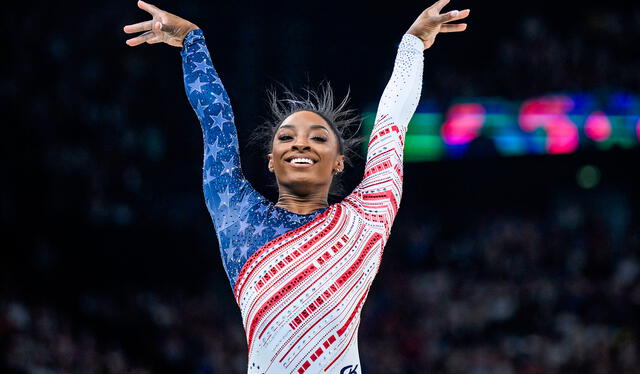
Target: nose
300 144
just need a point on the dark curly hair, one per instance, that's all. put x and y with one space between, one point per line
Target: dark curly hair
344 122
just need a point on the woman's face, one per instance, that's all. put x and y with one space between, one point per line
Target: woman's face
305 154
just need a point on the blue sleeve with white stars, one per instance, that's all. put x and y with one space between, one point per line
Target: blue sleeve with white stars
224 183
243 219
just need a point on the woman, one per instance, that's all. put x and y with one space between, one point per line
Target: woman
301 269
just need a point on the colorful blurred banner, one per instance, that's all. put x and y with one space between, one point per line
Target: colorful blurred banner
554 124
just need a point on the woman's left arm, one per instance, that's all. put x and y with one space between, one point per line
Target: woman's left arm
381 188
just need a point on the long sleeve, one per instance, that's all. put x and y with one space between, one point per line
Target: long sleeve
227 193
380 191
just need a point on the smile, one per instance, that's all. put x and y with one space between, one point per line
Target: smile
301 162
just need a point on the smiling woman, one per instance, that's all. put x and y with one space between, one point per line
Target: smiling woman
329 127
301 269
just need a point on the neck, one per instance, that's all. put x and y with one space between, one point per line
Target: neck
301 204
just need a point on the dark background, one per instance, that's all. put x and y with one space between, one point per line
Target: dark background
110 263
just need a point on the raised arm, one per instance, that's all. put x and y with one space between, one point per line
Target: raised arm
380 191
227 193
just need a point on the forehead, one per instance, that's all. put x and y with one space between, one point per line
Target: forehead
303 120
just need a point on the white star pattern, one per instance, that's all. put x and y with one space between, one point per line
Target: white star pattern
201 66
243 226
228 166
200 110
259 229
243 251
229 252
280 230
208 178
213 150
219 119
219 99
225 197
197 85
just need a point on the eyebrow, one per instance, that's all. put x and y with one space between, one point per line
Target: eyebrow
312 127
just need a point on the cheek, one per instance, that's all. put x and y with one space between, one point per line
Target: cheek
329 158
276 157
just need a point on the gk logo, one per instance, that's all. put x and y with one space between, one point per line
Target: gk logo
349 370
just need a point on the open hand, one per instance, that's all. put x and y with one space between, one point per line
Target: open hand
164 27
431 22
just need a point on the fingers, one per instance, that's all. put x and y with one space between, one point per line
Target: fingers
138 27
141 39
453 15
152 9
439 5
453 27
461 15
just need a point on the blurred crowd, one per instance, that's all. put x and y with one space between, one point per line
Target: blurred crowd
548 53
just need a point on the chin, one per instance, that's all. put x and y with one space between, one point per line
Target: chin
302 185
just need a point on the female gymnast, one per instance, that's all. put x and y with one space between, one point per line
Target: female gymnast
301 269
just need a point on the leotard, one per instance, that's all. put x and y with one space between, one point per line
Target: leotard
301 280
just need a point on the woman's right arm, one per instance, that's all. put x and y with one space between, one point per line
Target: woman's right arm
227 193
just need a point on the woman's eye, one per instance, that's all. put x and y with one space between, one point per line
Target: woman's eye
319 138
284 137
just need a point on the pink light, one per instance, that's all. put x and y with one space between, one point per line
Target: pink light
535 112
463 123
598 126
550 114
562 136
638 130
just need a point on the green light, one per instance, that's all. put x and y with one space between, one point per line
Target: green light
588 176
422 141
419 148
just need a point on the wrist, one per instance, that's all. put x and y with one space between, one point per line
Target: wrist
191 35
417 36
192 26
413 42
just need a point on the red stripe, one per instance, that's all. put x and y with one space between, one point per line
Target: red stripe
380 196
341 352
277 296
331 338
353 314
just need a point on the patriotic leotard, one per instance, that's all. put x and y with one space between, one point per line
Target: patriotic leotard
301 280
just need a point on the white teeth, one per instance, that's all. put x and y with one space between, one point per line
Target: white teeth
302 161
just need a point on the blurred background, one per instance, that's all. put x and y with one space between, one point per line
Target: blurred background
516 248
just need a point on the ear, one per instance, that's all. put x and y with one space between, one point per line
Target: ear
339 165
270 165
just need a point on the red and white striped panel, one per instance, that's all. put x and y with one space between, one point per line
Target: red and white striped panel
301 294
